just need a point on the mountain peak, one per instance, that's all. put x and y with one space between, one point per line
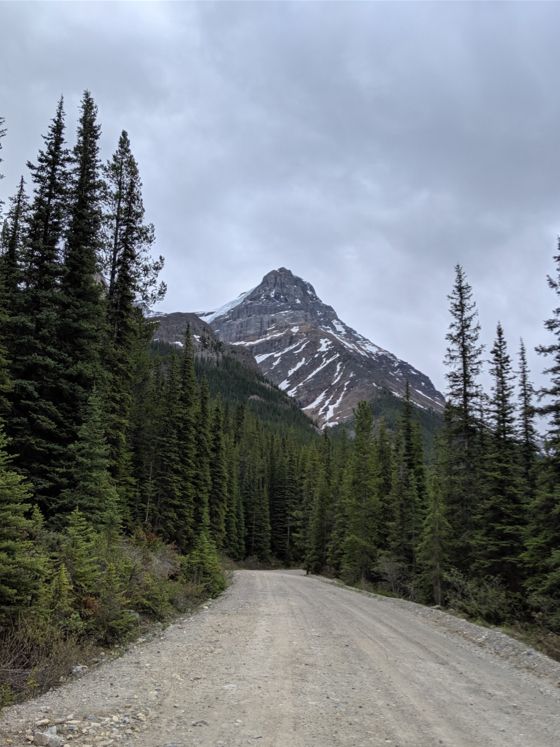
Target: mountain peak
283 285
302 346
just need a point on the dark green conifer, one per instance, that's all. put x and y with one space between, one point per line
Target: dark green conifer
543 538
82 314
498 543
362 509
218 497
21 569
463 359
37 424
526 431
432 548
91 489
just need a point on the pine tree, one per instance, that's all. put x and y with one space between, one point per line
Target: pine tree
166 514
91 489
254 492
36 424
463 359
543 538
499 541
80 322
125 232
21 570
130 278
362 510
234 521
384 485
432 548
218 497
2 135
527 434
406 514
13 242
203 478
321 517
188 404
80 555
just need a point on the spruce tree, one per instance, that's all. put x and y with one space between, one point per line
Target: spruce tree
80 555
543 538
80 322
254 492
2 135
498 543
130 278
234 520
361 505
403 531
21 569
91 489
166 514
432 548
203 477
463 359
526 432
187 414
218 497
37 423
13 242
384 485
321 516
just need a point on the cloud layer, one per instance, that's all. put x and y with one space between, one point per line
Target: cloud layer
369 147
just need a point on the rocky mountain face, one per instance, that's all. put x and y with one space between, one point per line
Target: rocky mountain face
172 327
300 344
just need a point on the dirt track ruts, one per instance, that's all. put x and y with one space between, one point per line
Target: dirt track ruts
293 661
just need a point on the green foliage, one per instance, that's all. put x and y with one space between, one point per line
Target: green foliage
21 569
359 549
202 565
433 545
479 598
92 490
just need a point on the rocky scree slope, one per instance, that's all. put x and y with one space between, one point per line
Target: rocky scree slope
302 346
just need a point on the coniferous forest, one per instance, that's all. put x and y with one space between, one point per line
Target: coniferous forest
130 472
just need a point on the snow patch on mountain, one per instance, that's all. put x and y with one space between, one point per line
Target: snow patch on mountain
209 316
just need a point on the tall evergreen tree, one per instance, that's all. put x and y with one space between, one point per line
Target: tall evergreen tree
362 510
187 413
203 477
2 135
543 538
12 245
218 496
166 514
37 424
463 359
130 277
527 433
91 489
81 316
432 548
499 539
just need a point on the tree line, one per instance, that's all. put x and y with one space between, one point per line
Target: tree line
478 528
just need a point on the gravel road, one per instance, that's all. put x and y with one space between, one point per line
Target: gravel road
293 661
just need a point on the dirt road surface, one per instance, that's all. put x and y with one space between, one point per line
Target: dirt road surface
293 661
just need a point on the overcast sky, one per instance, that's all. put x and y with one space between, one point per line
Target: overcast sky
367 147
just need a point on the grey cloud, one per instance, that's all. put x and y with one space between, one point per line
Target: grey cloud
367 146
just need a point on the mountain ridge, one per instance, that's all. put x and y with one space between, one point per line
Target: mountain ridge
302 346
